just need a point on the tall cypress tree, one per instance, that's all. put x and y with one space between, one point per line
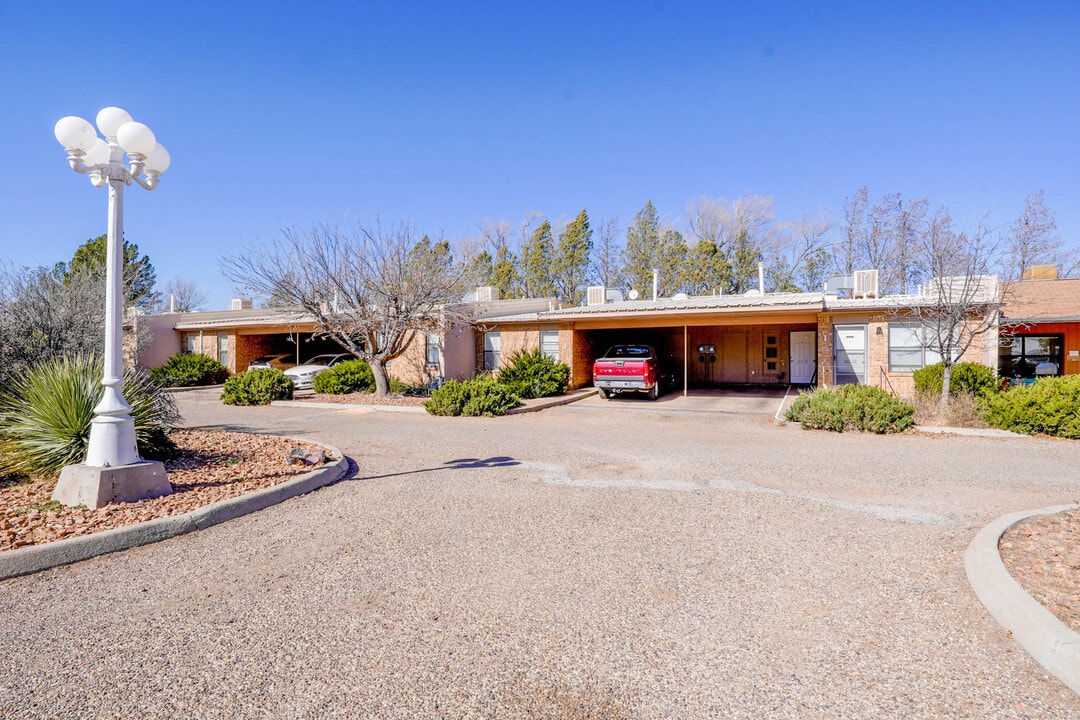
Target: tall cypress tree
572 259
649 247
536 263
642 241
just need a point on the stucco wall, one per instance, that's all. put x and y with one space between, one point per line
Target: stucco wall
158 339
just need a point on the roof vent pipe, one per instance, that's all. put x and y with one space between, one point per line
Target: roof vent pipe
172 303
761 277
655 282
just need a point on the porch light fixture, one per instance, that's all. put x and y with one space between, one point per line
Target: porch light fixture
113 470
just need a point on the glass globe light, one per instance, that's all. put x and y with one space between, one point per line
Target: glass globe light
110 119
137 140
158 160
97 155
75 133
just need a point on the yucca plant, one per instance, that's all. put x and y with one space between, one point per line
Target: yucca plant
46 412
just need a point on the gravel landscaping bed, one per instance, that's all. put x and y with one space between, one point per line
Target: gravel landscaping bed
210 466
360 398
1043 555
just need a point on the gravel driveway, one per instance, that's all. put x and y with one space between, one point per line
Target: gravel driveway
573 563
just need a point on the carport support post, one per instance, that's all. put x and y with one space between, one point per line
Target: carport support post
685 361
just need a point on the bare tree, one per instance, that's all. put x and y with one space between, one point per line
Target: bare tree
607 263
855 231
905 263
372 289
182 295
1035 240
877 246
45 316
963 298
742 231
805 255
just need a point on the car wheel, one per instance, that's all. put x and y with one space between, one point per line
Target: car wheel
602 393
654 392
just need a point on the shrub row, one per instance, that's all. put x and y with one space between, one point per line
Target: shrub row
189 370
528 374
851 407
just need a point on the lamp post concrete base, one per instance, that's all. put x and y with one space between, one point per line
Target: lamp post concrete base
96 487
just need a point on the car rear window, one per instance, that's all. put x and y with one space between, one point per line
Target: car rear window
636 352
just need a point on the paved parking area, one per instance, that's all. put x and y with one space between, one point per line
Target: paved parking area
560 564
755 401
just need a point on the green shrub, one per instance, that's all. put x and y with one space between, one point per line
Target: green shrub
344 378
187 370
971 378
478 396
259 386
855 407
45 415
532 374
448 399
1050 406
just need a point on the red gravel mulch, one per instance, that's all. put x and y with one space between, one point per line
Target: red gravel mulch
361 398
1043 555
209 466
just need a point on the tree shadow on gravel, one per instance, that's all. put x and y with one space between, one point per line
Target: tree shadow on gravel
458 464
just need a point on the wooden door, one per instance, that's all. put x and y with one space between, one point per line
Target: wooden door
735 357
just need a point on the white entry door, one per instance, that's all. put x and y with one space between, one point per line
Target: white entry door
849 363
803 356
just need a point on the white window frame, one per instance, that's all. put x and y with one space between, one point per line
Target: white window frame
223 352
913 336
548 338
492 351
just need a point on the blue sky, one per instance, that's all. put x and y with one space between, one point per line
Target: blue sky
287 113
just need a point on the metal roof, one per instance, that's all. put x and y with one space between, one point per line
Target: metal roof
811 302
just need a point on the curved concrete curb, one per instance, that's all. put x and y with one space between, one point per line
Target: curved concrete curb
64 552
1047 639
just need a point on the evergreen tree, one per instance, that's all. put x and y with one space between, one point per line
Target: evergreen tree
671 261
707 271
504 274
649 246
572 259
642 242
139 274
536 263
744 257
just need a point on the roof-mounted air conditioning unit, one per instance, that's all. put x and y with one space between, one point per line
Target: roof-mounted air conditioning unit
866 283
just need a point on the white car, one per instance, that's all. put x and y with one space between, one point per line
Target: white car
280 362
303 375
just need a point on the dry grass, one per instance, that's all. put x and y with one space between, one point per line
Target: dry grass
962 411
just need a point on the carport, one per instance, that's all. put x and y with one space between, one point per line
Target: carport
709 342
236 337
707 351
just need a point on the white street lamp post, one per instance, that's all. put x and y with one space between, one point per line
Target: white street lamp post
113 470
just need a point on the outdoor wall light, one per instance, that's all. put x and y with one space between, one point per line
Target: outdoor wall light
113 469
